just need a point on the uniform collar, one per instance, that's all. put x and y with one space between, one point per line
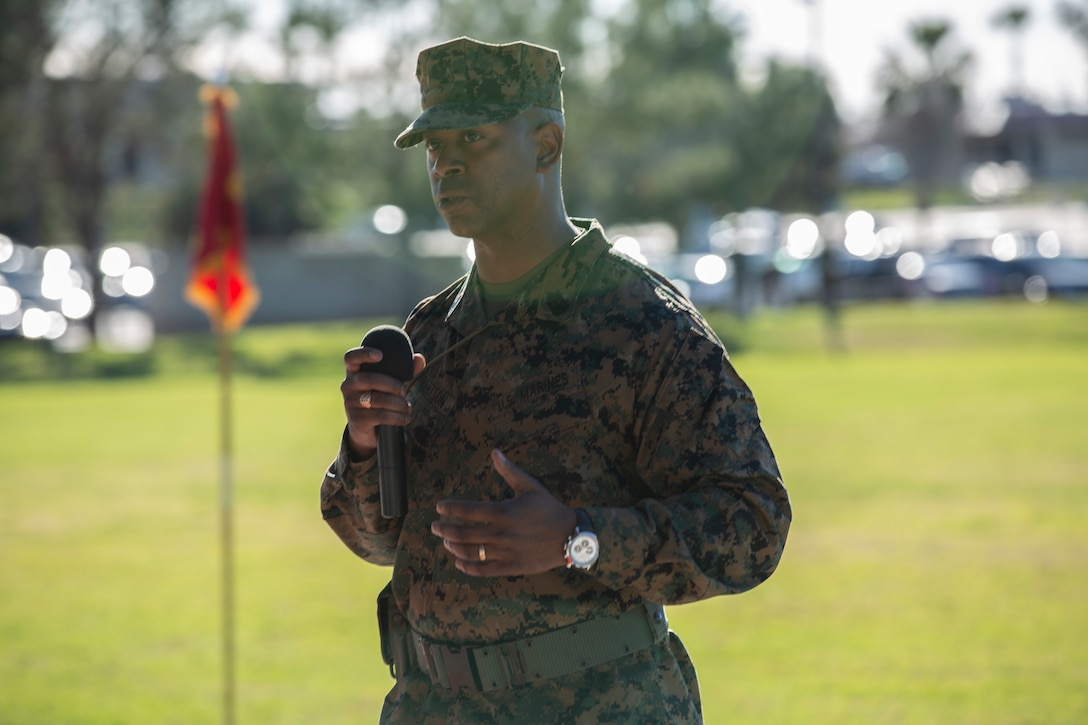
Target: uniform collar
554 296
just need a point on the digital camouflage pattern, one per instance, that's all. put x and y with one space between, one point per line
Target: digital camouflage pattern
650 687
466 83
603 382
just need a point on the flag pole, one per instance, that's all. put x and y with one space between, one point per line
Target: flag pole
226 519
224 337
220 284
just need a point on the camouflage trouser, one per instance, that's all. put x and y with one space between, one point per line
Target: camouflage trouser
653 686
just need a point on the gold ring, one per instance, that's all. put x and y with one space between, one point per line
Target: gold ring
483 553
364 399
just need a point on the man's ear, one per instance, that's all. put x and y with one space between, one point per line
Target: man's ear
549 140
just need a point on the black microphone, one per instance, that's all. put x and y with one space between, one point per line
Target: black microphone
396 362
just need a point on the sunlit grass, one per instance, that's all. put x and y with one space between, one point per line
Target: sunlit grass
934 573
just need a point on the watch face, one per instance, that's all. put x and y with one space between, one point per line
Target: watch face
583 550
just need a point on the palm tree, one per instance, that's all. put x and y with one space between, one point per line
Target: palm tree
1074 18
923 108
1015 19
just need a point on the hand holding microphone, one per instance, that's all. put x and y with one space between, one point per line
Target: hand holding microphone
373 392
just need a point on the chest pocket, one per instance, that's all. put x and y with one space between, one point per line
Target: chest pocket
432 405
428 448
550 433
538 412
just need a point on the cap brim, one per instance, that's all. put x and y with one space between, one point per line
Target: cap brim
450 116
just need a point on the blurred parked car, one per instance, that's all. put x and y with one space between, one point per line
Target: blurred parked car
1010 263
42 293
983 276
871 279
48 294
705 279
1064 276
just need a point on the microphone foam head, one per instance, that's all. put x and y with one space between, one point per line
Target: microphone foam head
396 349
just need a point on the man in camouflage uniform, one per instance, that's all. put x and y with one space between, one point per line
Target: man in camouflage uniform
580 450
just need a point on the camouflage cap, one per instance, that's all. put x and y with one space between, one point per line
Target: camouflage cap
466 83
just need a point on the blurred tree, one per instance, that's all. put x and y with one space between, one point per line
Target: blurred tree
1015 19
108 95
659 126
924 108
26 37
311 143
791 133
1074 18
554 23
368 171
666 118
312 31
283 158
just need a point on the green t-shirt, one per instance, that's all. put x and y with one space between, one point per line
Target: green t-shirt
496 296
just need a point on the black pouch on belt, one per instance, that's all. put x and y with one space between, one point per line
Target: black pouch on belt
393 633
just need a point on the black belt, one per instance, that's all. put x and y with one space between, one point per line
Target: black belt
550 654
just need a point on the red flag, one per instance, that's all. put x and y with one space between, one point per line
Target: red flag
219 281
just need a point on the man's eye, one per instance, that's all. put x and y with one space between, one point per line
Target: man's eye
432 144
471 136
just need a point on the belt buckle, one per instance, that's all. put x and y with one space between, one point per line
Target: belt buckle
426 659
515 663
457 663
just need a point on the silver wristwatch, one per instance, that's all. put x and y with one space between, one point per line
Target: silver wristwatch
582 548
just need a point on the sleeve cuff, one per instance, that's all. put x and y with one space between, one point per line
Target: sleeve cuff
622 552
347 470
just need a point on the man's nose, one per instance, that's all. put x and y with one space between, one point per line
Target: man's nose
446 163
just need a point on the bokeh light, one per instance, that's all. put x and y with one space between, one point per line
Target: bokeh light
56 262
40 324
860 238
710 269
630 247
1036 289
126 329
390 219
114 262
1049 244
10 300
7 248
1006 247
860 222
911 265
889 240
137 281
76 304
801 238
56 274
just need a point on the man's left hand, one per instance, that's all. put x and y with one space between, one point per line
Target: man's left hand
521 535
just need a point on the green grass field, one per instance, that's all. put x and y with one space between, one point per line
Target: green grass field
935 572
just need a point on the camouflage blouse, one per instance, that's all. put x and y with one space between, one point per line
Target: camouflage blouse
603 382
